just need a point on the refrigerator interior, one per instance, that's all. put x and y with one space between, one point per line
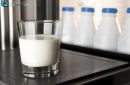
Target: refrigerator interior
97 4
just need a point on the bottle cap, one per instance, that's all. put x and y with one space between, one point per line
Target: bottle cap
70 9
109 10
128 10
87 9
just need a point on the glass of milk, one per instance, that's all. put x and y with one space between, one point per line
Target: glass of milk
39 43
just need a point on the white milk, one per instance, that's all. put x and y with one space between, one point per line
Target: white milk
106 36
68 25
86 28
39 50
123 45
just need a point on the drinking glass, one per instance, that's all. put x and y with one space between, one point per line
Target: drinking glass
39 43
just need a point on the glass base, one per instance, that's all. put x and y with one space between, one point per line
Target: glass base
40 72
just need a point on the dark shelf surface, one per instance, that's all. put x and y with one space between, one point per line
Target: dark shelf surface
73 66
99 52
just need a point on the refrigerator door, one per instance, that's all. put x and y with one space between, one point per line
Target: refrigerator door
4 28
8 34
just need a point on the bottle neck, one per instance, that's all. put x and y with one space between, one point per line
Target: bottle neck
68 13
108 15
108 18
87 13
128 14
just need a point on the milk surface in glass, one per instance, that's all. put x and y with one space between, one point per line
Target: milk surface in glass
39 50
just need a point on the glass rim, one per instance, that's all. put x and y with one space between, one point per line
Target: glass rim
40 21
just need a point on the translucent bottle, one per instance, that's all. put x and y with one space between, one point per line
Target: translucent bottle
86 28
68 25
124 39
107 34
